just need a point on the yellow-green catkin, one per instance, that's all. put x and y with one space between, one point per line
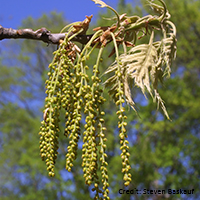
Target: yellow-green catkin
101 133
73 116
102 153
70 88
119 101
89 151
59 71
50 125
93 150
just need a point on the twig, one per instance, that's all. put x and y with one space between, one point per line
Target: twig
41 34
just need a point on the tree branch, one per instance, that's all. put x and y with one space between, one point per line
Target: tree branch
41 34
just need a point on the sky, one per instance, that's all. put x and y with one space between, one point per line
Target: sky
13 12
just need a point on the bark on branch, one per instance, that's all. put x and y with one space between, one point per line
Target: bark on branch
41 34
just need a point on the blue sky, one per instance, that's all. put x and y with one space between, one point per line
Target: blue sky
13 12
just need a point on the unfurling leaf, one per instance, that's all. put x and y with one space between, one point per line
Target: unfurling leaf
104 5
144 65
101 3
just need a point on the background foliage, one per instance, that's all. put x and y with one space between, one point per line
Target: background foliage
164 154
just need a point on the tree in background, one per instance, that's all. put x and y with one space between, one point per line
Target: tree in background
156 157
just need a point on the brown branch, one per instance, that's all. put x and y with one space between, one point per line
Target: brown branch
41 34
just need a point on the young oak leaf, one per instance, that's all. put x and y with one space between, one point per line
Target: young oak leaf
102 4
